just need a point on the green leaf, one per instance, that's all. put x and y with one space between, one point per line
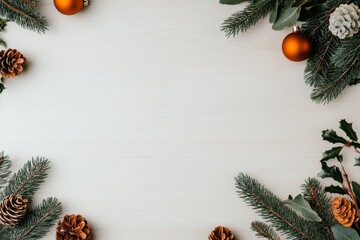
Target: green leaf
231 2
356 189
260 3
331 153
335 189
331 136
357 161
287 18
274 13
343 233
348 129
333 172
300 205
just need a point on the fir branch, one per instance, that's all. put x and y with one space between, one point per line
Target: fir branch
24 14
263 230
28 179
37 222
319 201
343 69
241 21
5 165
324 43
273 210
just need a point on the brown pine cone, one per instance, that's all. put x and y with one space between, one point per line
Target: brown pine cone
12 210
221 233
344 211
11 62
73 227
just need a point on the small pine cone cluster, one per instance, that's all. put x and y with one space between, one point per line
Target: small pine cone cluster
12 210
11 63
344 211
73 227
221 233
344 22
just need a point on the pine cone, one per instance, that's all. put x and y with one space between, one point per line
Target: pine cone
12 210
11 62
73 227
221 233
344 211
344 22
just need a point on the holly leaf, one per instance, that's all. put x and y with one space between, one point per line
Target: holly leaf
357 161
356 189
331 153
300 205
348 129
261 3
335 189
333 172
288 17
331 136
343 233
231 2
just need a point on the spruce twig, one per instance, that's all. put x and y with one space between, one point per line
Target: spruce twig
273 210
24 14
263 230
315 194
28 179
241 21
37 222
5 165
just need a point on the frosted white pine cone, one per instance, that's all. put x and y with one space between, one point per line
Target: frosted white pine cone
344 22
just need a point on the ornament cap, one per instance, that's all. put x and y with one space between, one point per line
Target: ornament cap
86 3
296 28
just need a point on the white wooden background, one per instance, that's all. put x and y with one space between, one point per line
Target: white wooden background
147 113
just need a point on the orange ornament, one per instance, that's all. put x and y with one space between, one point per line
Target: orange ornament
296 46
70 7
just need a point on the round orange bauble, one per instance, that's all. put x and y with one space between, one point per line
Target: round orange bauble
69 7
296 46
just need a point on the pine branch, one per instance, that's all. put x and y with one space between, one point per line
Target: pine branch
24 14
273 210
316 196
263 230
36 223
241 21
344 68
5 165
28 179
324 43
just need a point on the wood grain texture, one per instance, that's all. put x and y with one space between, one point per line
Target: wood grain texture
148 112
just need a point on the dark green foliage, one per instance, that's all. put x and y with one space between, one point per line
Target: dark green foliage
331 136
231 2
241 21
5 165
330 172
273 210
264 231
28 179
26 182
315 194
331 153
335 189
24 13
37 222
348 129
2 86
